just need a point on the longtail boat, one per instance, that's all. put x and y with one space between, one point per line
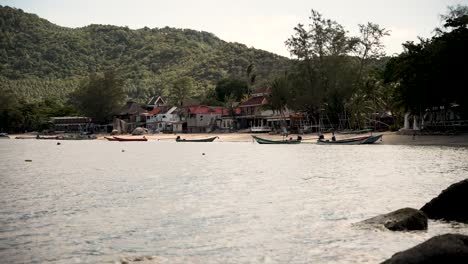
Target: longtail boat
211 139
350 141
111 138
268 141
131 139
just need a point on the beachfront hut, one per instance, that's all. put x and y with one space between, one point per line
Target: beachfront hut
202 119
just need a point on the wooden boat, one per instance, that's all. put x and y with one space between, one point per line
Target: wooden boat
372 139
351 141
268 141
211 139
111 138
121 139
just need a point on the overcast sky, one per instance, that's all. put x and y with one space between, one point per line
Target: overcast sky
263 24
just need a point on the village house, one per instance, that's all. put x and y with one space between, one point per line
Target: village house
257 117
71 124
165 119
155 101
202 119
130 117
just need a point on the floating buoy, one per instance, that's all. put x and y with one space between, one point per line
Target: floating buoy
58 143
203 153
28 160
123 150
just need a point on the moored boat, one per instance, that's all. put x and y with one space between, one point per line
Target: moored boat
111 138
211 139
350 141
269 141
130 139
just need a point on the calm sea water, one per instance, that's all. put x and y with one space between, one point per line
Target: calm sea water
89 202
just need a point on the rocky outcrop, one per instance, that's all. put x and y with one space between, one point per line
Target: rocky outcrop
451 204
448 248
405 219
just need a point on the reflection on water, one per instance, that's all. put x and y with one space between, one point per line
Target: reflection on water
89 202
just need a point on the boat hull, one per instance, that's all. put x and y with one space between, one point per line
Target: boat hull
211 139
130 139
351 141
268 141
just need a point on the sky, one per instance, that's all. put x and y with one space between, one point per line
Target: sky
262 24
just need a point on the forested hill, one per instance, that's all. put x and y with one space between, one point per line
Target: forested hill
39 59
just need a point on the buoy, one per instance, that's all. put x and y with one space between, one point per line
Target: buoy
123 150
28 160
203 153
58 143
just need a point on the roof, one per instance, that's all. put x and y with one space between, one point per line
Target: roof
207 110
262 90
156 100
132 108
254 101
161 109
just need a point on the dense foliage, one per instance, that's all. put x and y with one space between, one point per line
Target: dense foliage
334 74
432 73
39 59
100 96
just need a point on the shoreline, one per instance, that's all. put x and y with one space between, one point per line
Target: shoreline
389 138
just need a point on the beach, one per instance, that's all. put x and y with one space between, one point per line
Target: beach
389 138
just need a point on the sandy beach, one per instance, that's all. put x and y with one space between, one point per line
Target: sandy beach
389 138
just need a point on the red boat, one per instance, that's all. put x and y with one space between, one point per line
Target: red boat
129 139
111 138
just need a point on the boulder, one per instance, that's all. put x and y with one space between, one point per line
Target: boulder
451 204
448 248
139 131
406 219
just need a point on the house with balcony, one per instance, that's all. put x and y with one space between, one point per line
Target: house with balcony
166 119
203 119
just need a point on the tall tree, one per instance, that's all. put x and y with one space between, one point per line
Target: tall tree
369 45
234 88
181 90
99 96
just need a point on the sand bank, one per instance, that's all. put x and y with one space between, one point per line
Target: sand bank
389 138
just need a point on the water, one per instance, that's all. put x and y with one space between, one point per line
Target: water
89 202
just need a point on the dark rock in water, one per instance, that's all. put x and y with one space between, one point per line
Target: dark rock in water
451 204
405 219
448 248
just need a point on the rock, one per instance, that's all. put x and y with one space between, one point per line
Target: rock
451 204
139 131
448 248
114 132
405 219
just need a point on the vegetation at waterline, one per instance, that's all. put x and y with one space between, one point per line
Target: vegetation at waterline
47 70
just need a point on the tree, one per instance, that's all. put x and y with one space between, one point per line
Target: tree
369 45
99 96
182 89
432 72
234 88
251 76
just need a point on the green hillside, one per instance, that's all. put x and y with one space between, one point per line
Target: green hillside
39 59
